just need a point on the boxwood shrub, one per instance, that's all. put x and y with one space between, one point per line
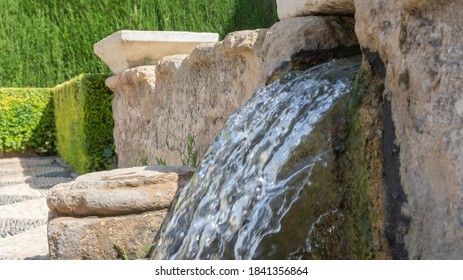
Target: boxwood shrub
26 120
84 123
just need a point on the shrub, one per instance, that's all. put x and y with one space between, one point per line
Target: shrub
84 123
26 120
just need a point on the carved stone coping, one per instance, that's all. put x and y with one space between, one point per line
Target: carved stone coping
127 49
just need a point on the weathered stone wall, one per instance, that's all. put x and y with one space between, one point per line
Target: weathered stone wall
156 107
409 122
417 46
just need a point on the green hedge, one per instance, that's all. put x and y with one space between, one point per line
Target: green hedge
47 42
26 120
84 123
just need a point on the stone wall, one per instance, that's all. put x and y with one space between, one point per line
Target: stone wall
416 47
156 107
410 120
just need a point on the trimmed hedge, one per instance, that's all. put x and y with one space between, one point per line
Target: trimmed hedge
47 42
26 120
84 123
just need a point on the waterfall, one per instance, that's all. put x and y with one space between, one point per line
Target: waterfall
267 179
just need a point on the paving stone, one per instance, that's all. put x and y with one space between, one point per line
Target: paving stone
35 208
10 199
10 227
31 244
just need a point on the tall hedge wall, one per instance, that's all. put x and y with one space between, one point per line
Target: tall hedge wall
46 42
26 120
84 123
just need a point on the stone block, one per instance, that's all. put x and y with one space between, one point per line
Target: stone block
93 238
310 35
127 49
296 8
119 192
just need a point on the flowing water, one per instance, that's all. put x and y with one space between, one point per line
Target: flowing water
267 180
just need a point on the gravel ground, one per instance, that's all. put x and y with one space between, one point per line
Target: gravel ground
24 184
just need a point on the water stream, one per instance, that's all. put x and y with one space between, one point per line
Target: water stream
267 180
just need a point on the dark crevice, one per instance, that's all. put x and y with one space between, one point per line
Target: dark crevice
396 222
377 65
305 59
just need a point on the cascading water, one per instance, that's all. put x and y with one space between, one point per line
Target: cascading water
267 180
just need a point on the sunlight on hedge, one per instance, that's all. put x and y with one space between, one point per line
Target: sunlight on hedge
26 120
84 123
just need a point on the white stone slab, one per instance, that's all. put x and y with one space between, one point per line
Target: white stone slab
127 49
296 8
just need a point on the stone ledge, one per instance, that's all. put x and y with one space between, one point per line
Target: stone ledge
128 49
119 192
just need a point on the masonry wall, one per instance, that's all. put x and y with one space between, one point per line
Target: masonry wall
155 108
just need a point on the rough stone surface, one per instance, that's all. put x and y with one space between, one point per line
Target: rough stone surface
93 238
127 49
119 191
155 108
296 8
305 34
416 47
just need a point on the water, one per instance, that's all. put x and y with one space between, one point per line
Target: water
266 179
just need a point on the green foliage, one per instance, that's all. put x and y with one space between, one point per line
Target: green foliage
123 255
160 161
190 156
148 60
362 174
46 42
143 159
26 120
84 123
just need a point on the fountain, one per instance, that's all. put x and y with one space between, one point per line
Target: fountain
268 180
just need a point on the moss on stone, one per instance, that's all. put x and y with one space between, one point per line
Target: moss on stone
353 223
362 166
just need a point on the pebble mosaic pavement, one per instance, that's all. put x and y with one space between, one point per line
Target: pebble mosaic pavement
24 184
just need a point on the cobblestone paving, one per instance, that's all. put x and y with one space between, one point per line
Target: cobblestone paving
24 184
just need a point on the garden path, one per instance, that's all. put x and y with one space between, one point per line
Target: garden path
24 184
